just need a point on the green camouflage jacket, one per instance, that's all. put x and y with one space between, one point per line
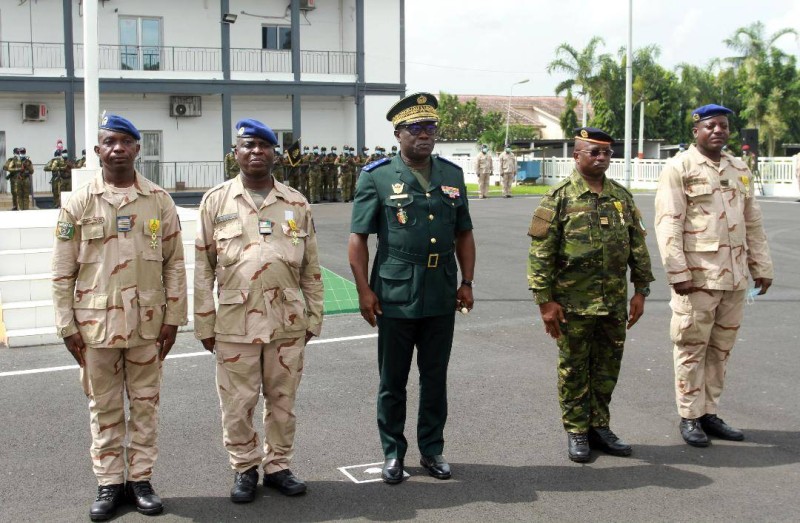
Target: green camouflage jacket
582 244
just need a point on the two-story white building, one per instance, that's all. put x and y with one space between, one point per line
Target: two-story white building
184 72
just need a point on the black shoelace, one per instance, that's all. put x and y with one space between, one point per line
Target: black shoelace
106 493
142 489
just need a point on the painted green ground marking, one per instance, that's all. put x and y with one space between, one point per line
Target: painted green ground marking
340 293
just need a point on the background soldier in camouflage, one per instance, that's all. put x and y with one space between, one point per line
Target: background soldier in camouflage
231 167
279 168
24 180
119 293
329 172
315 175
59 167
483 168
347 164
13 166
81 163
256 238
711 237
584 235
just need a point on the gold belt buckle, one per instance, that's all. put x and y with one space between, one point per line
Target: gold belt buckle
433 261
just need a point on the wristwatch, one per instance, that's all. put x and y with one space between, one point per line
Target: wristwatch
644 291
468 283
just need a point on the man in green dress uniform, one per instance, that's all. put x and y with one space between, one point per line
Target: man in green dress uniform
417 205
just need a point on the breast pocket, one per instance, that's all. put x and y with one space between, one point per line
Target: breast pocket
228 241
399 212
450 208
153 232
92 237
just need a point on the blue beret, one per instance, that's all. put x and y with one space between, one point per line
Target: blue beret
708 111
250 127
118 124
593 134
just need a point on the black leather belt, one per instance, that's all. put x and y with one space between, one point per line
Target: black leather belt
431 261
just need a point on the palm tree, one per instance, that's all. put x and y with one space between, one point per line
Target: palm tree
752 43
580 66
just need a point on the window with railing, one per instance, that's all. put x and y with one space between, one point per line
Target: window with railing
276 37
140 43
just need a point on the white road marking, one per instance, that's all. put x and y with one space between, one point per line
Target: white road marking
175 356
375 468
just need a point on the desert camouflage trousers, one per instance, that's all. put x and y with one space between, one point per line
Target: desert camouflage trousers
508 179
589 359
244 371
107 375
483 185
703 328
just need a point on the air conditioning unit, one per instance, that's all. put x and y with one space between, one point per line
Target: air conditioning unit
185 106
308 5
34 112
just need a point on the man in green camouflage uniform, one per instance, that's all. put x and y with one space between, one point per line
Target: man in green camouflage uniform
315 175
12 166
347 164
23 169
279 168
584 235
58 166
231 167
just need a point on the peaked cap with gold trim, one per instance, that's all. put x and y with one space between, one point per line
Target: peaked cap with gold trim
417 107
593 135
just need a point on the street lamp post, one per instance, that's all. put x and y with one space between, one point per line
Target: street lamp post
508 109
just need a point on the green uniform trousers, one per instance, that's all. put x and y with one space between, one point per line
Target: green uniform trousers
589 359
433 337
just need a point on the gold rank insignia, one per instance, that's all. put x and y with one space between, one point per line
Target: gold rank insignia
746 181
584 133
154 225
619 207
421 99
398 187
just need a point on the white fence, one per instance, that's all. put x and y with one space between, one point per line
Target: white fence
777 173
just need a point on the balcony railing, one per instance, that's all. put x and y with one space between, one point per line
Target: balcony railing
38 55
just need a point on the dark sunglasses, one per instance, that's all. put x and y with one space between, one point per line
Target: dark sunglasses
594 153
415 129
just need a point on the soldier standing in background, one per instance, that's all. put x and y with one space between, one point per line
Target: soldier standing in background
24 181
58 167
305 163
394 152
508 170
315 176
584 235
81 163
270 305
119 293
483 168
279 168
231 167
711 237
347 164
330 175
13 166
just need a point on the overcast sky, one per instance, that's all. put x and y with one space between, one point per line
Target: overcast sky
472 47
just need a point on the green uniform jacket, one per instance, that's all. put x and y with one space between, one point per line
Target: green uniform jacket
415 271
582 244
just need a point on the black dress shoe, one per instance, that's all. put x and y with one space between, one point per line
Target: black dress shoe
716 427
692 433
392 471
244 486
109 497
285 482
436 466
141 494
602 438
578 447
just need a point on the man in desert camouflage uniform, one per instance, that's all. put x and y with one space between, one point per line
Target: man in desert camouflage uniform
119 293
231 167
585 233
508 170
483 168
256 238
710 234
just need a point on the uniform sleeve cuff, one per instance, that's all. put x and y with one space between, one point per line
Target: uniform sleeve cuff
69 330
175 319
315 329
542 296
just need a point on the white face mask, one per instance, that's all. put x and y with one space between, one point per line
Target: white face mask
485 150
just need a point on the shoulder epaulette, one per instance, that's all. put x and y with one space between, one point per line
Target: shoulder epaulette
213 190
620 186
445 160
374 165
560 185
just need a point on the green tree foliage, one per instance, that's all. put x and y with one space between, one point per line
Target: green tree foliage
568 119
467 121
760 83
